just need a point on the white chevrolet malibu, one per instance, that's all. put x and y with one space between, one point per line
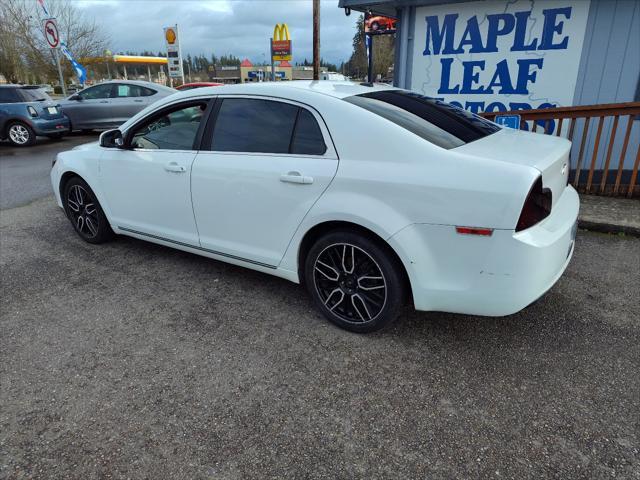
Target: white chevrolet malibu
370 196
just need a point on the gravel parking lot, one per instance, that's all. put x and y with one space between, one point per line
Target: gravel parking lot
131 360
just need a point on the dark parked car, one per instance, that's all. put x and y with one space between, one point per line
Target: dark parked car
26 112
110 104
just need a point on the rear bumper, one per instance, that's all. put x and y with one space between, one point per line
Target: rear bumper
494 276
50 127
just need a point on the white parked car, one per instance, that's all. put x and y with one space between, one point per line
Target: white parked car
370 196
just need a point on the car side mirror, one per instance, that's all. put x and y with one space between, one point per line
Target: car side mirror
75 97
112 139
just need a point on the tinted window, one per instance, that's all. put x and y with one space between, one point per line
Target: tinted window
248 125
438 122
174 130
99 91
307 137
126 90
33 95
8 95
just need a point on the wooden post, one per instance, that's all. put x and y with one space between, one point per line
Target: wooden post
316 39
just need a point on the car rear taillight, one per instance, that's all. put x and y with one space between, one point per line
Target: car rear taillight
483 232
536 207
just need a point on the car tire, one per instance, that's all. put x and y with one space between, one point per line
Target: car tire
357 283
85 213
21 134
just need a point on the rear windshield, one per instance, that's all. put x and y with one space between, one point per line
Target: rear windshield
33 95
438 122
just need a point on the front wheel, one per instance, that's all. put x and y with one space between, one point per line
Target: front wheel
356 282
85 213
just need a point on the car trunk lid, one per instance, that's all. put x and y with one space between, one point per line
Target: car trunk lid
547 154
47 109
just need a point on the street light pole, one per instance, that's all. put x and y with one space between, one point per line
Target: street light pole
64 88
273 68
316 39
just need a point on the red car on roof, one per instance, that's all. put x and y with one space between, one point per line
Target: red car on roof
189 86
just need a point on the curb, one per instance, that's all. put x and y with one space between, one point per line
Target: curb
609 227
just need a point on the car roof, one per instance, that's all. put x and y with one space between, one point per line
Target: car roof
336 89
140 83
15 85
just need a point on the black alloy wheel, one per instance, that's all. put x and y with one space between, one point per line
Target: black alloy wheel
356 282
85 213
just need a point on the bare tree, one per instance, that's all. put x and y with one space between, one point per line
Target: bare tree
24 54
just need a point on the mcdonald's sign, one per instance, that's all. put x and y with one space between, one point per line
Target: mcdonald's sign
281 43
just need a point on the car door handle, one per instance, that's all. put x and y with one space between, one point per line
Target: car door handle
296 177
174 167
139 101
104 101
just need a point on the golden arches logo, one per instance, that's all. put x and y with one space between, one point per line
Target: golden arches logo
281 32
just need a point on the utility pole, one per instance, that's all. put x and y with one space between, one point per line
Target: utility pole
316 39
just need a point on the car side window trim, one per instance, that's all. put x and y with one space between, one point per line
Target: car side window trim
295 127
197 142
330 153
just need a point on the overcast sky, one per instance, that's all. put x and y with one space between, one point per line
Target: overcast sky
238 27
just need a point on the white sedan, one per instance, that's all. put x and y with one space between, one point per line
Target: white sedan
370 196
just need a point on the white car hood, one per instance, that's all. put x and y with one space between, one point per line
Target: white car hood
86 146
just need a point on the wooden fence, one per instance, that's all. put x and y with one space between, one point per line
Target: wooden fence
599 153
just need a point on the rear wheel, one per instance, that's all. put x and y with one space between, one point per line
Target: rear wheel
85 213
355 281
21 134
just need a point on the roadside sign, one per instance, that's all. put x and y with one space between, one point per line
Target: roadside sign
51 33
281 43
174 56
509 121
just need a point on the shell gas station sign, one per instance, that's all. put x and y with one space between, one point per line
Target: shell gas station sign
281 43
174 55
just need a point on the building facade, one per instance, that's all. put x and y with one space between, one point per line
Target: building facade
499 55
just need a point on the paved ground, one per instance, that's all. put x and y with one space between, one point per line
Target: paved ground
134 360
24 172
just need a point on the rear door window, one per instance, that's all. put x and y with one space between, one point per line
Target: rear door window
266 126
127 90
438 122
254 125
